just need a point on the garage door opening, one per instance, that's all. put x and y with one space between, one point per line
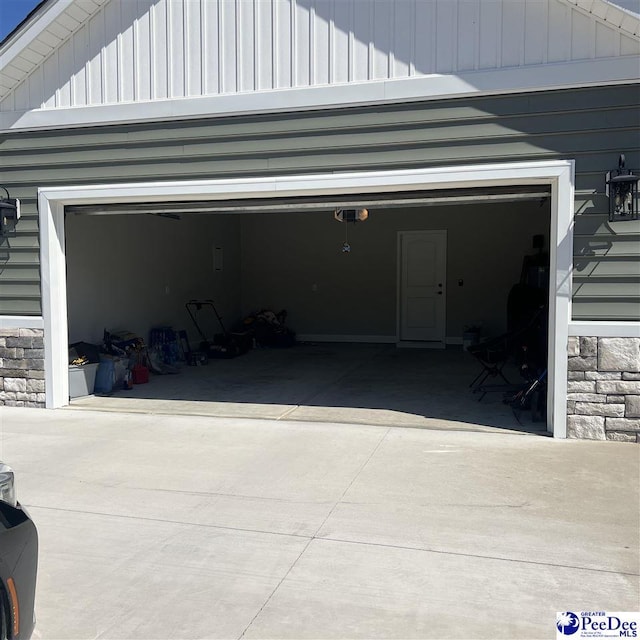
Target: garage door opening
350 310
554 176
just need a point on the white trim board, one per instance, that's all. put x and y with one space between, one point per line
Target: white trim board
559 174
584 73
604 329
21 322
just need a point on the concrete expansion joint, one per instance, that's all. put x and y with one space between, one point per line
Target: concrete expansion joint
477 556
315 535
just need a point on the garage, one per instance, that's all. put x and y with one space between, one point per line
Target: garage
374 342
200 150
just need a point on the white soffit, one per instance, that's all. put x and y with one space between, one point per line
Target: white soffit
37 38
76 59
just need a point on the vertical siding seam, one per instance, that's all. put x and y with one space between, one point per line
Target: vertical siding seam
548 27
274 45
164 51
523 48
238 61
186 67
312 45
152 51
26 91
186 52
524 39
169 48
204 67
545 22
40 85
456 36
220 47
72 84
56 93
433 36
102 61
570 39
135 54
412 44
87 67
370 48
293 30
436 36
392 42
455 31
119 61
476 35
618 45
499 61
256 48
350 48
332 42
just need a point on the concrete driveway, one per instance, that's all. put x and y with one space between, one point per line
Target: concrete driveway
197 527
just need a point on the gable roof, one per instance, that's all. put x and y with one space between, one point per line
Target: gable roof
92 53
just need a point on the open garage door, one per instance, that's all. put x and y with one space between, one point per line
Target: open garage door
349 309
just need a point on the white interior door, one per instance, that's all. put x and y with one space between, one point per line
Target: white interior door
422 299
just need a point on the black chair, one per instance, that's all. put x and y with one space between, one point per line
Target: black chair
525 338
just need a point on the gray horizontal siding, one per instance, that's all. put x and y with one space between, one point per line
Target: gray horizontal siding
20 262
591 126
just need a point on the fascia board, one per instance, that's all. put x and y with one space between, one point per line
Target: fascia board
514 80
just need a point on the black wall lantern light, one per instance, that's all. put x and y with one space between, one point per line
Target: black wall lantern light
622 191
9 214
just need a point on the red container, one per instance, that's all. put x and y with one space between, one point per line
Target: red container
140 374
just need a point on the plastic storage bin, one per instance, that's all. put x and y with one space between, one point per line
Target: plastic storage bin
82 379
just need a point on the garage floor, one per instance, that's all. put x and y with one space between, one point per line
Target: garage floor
348 383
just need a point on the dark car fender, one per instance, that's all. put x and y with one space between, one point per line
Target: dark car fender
18 561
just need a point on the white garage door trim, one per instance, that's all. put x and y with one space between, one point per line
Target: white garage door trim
559 174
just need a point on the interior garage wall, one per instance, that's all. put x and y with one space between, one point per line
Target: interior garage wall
295 261
134 272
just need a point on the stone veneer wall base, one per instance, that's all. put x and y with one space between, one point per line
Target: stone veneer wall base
22 368
603 389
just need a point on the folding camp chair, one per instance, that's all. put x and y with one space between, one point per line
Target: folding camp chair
493 355
526 320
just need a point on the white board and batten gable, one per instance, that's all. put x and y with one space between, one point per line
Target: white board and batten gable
82 62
